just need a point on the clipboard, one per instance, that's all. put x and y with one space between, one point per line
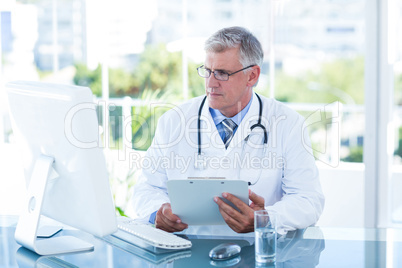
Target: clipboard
193 199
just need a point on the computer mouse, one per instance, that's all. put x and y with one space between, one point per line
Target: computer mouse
225 251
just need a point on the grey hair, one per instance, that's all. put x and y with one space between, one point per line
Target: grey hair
249 46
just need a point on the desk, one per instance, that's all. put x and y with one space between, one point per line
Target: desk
312 247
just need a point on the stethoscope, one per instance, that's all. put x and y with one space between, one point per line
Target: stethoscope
201 163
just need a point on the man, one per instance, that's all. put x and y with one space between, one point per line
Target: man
233 120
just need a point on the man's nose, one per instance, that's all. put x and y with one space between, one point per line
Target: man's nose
212 81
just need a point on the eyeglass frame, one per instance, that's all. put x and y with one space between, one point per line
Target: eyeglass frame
210 72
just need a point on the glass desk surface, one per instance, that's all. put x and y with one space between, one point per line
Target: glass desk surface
311 247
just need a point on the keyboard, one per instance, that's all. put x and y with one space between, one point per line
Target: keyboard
148 237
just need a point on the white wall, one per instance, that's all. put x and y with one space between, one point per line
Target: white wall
344 195
396 195
12 182
343 188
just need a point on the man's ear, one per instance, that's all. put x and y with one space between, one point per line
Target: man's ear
254 74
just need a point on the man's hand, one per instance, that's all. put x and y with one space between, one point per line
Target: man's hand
167 221
243 221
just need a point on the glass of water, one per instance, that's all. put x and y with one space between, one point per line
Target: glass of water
265 236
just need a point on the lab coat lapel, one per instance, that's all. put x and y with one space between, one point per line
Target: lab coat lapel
244 128
208 123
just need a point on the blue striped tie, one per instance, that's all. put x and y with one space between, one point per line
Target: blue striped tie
228 126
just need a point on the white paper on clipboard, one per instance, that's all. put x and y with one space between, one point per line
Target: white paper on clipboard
193 199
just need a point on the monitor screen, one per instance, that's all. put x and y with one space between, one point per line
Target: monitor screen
60 122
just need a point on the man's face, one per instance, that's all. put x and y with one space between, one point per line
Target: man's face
231 96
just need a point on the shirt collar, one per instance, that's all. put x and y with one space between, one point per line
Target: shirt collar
218 117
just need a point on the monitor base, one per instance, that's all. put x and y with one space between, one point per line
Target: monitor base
28 223
62 245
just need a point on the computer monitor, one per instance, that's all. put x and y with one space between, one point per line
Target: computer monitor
56 129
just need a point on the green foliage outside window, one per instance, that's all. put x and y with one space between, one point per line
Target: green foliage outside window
355 155
145 118
333 81
89 78
398 151
157 70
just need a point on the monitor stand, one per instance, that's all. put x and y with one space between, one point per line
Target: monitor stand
28 223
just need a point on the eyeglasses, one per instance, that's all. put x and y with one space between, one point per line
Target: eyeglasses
219 75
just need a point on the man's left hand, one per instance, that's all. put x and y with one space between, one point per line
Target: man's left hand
241 221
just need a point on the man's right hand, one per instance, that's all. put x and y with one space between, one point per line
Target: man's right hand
167 221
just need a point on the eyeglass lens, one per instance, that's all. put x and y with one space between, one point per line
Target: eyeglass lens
220 75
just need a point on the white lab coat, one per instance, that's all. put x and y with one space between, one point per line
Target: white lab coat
289 180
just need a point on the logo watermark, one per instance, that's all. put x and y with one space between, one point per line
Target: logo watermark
329 117
183 128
